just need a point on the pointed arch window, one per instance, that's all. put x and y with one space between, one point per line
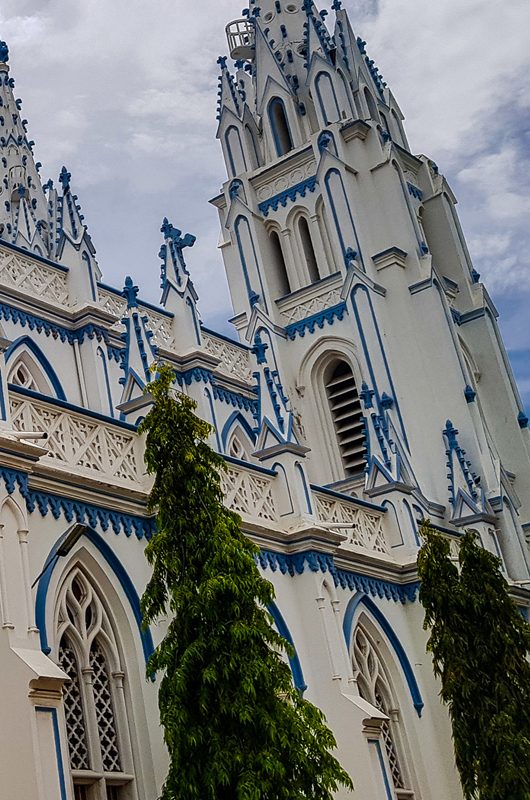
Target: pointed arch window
375 687
370 102
308 250
280 126
22 376
282 282
99 750
236 448
348 420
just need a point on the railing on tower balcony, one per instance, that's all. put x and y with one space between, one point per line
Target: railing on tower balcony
241 37
311 300
33 276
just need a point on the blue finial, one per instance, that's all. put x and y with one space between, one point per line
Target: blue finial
336 5
64 178
522 419
4 53
349 257
259 349
222 61
475 276
469 394
130 293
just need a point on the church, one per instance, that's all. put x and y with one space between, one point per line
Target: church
366 388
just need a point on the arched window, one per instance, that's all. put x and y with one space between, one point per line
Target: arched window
308 250
253 148
282 284
280 127
327 98
99 749
21 375
348 420
384 123
374 687
236 448
370 102
236 156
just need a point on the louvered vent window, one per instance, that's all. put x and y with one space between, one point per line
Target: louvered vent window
348 420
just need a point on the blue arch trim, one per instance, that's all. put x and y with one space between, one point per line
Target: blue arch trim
294 661
41 360
318 80
307 494
123 579
277 102
101 354
347 625
236 417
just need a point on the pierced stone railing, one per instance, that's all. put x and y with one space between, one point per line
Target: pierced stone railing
81 443
112 303
33 277
363 526
158 324
234 360
249 493
310 301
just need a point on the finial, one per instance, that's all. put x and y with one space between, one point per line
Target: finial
336 5
180 242
64 178
4 53
259 349
130 293
222 61
349 257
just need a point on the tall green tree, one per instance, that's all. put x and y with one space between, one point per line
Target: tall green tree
480 645
234 725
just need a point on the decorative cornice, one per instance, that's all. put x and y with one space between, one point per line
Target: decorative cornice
314 321
76 510
288 194
197 374
296 563
10 313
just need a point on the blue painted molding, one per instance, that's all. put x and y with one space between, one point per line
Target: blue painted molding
236 418
294 661
289 194
10 313
414 191
296 563
314 321
341 496
123 578
235 399
347 627
388 791
35 256
57 742
45 502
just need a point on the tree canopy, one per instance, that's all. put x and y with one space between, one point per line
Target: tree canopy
480 644
234 725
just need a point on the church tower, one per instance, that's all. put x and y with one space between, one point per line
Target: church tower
344 249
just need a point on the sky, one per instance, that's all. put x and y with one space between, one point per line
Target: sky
123 92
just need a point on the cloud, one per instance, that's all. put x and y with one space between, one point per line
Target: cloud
125 93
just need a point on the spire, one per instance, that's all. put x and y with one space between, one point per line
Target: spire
178 292
24 219
137 354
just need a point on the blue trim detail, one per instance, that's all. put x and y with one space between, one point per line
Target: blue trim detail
294 661
101 354
305 487
233 169
57 742
214 420
10 313
33 255
317 320
224 395
71 407
341 496
41 360
86 258
345 246
250 291
522 419
295 564
288 194
388 791
236 417
122 576
191 306
347 627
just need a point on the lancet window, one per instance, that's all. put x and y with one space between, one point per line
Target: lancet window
280 127
22 376
374 686
93 699
308 249
348 421
280 268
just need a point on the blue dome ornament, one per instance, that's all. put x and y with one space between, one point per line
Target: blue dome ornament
4 53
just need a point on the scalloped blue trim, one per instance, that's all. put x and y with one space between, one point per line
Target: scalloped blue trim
288 194
315 321
295 564
143 527
10 313
224 395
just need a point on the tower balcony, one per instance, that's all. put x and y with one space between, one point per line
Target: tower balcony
240 35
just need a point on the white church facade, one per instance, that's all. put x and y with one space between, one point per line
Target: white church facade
369 388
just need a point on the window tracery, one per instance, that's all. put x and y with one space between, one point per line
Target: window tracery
88 653
374 687
20 375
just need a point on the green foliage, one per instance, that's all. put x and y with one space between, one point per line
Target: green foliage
480 645
234 725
